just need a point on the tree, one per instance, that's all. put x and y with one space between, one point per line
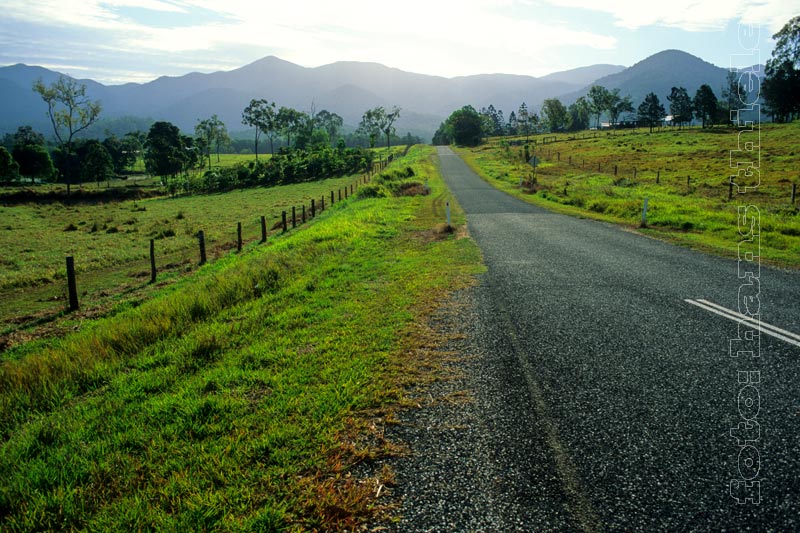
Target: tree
212 133
70 112
96 162
598 101
680 106
259 114
554 114
9 169
464 126
25 135
166 152
511 127
443 135
781 88
288 121
651 111
370 125
734 95
330 122
705 105
579 114
525 120
31 155
616 105
378 120
34 162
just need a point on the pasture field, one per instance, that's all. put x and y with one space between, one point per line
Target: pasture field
698 214
237 398
110 241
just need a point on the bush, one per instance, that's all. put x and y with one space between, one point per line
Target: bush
372 190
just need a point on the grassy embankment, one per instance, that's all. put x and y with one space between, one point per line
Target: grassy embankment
698 215
235 400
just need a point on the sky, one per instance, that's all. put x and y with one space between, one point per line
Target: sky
119 41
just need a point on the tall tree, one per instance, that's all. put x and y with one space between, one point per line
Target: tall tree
616 105
330 122
31 155
166 151
96 162
579 114
524 120
705 105
289 121
598 101
464 126
9 169
680 106
371 124
734 94
781 88
70 112
554 114
212 133
259 114
511 127
651 111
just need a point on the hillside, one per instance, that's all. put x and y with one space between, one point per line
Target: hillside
349 88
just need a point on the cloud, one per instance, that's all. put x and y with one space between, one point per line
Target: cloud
689 15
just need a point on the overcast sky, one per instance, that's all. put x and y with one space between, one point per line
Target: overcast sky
117 41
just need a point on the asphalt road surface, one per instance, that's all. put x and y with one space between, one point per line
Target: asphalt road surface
603 389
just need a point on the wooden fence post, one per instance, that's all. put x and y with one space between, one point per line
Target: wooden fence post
634 172
794 190
658 177
283 215
303 215
331 197
72 287
322 204
730 188
152 260
238 236
615 170
263 229
313 209
294 218
201 237
340 195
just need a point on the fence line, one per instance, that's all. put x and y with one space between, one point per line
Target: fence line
314 210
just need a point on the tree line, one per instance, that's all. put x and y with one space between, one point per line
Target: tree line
312 144
780 91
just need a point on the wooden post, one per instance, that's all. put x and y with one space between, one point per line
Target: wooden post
152 260
570 160
201 237
72 287
794 191
331 197
322 204
598 167
238 236
263 229
294 218
351 189
615 170
730 188
340 195
634 172
644 213
688 181
345 192
658 177
303 215
285 229
313 209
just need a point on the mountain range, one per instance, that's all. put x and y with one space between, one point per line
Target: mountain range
349 89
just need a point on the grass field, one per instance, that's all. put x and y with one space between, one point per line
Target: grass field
237 398
698 214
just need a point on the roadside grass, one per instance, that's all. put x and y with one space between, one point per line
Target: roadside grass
698 214
235 400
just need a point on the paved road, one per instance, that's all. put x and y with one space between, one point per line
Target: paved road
614 397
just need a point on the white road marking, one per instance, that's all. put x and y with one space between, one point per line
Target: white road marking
769 329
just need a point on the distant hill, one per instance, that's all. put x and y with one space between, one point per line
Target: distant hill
347 88
658 74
